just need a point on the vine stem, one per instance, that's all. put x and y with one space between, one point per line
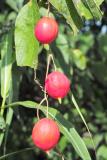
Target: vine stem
50 57
38 107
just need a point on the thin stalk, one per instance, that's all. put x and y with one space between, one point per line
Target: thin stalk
17 152
48 10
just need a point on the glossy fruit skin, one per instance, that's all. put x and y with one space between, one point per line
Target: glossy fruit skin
45 134
46 30
57 85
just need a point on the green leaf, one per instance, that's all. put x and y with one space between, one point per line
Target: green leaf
97 68
89 8
15 4
102 152
81 143
6 66
99 2
62 8
102 41
75 15
2 123
63 46
2 129
6 69
1 137
94 8
82 117
84 11
9 116
86 42
27 47
62 143
65 127
79 59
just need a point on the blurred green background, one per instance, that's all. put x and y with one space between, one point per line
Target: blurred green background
83 58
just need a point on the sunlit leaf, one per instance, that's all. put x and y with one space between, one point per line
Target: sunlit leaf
102 152
94 8
27 47
15 4
6 66
62 8
79 59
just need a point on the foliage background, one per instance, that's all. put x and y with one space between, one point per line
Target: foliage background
83 58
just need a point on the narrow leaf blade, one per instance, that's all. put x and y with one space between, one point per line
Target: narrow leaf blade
94 8
66 127
6 64
74 13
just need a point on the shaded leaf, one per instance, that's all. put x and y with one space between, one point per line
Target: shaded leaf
2 123
102 41
1 137
97 68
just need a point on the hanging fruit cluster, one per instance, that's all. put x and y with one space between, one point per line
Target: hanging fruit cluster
45 133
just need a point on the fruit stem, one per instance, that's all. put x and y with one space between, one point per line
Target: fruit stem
50 57
46 99
59 100
59 153
48 153
53 62
47 106
48 11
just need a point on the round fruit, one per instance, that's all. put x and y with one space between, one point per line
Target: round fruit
46 30
45 134
57 85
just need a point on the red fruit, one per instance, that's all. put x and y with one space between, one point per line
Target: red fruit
57 85
45 134
46 30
